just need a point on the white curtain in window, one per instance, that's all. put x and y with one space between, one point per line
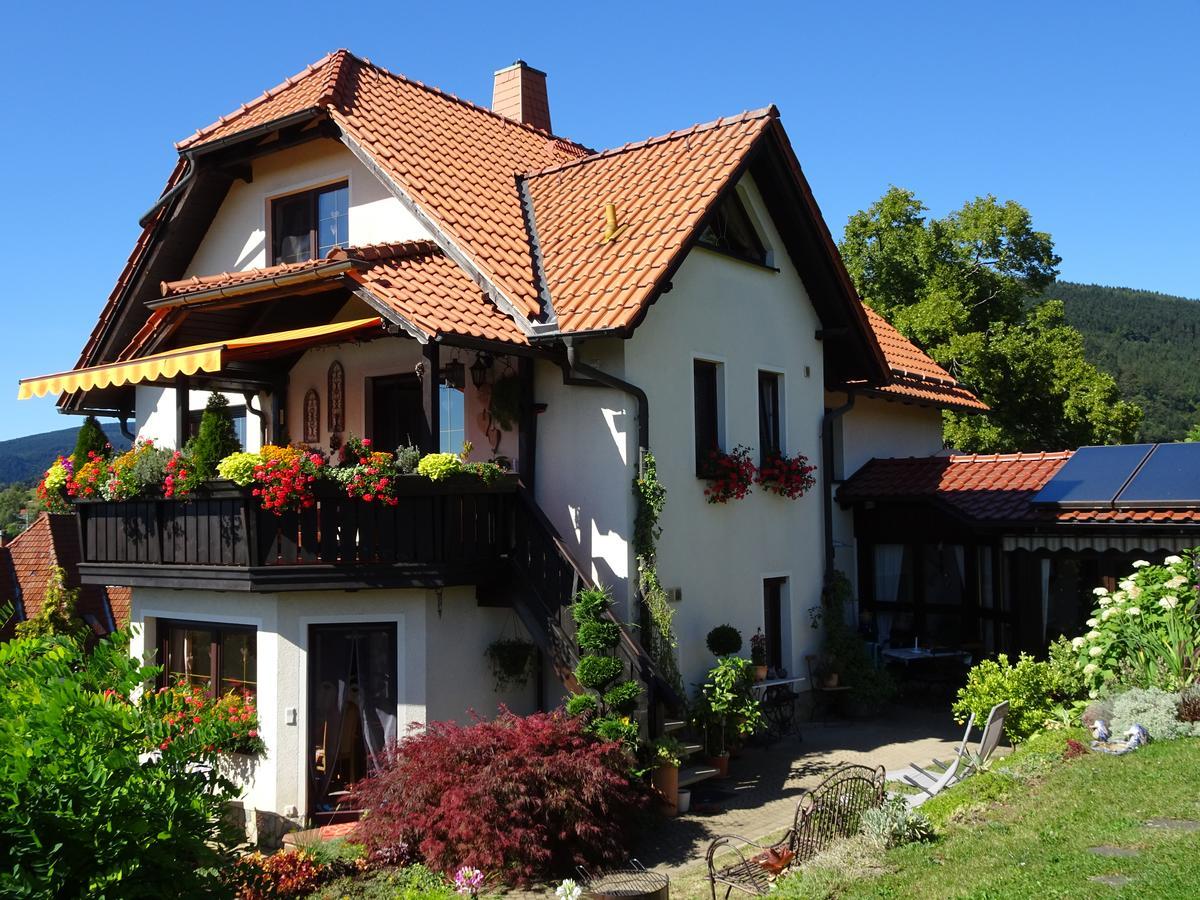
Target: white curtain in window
889 563
1045 596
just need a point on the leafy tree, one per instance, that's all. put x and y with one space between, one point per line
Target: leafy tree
58 615
13 499
957 287
215 440
87 809
91 438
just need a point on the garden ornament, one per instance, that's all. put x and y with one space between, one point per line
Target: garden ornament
1100 730
1136 736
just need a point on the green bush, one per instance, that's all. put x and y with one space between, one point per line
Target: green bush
214 440
407 459
58 614
91 439
85 811
239 467
598 672
582 705
894 824
1155 710
724 640
1026 686
598 636
438 466
623 697
414 882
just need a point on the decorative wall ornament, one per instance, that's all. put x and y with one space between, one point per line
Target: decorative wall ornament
337 397
312 417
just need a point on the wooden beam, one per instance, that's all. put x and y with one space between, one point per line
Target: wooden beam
430 379
182 409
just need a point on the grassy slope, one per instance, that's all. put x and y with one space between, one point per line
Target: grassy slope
1031 840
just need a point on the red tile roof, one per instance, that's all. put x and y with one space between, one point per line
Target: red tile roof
414 280
660 189
53 540
915 375
993 489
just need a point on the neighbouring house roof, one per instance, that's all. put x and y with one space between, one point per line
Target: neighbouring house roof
988 490
520 210
25 564
915 376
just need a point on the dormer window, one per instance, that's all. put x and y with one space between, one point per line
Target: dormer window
730 231
308 225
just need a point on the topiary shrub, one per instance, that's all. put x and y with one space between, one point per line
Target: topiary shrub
91 439
214 440
590 605
582 705
724 640
598 672
622 698
596 637
523 798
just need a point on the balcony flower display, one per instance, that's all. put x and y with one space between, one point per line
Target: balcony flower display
89 479
139 471
372 478
52 489
730 475
787 476
284 479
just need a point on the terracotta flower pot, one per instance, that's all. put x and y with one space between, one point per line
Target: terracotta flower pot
760 673
665 779
830 680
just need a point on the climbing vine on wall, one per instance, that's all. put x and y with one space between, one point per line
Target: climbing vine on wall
651 497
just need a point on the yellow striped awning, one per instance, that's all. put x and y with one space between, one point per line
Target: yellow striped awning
190 360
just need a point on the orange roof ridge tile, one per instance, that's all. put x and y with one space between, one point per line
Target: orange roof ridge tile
197 136
761 113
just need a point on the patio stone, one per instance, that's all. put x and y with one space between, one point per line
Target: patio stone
1111 880
1119 852
1174 824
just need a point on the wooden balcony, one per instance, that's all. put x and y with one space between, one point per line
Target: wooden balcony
459 531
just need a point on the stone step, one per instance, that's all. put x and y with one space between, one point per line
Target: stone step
693 774
673 725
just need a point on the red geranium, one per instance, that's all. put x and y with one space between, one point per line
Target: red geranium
730 475
787 476
285 478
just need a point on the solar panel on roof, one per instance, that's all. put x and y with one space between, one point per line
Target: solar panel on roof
1093 476
1170 477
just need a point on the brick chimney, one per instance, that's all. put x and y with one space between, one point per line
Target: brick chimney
519 92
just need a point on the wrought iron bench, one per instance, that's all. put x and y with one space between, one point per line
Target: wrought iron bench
828 813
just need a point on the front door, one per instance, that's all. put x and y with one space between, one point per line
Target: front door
352 700
397 413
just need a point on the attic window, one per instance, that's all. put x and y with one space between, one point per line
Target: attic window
730 231
309 225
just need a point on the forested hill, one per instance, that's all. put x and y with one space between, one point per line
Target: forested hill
1149 342
23 459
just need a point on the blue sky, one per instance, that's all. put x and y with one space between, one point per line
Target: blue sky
1086 113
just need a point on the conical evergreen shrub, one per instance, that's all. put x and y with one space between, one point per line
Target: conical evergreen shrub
215 440
91 437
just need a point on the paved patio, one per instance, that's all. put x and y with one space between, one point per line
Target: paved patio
760 795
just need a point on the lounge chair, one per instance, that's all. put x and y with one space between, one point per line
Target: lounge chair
965 761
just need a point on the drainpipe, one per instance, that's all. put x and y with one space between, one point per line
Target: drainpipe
129 435
249 396
827 421
595 376
173 192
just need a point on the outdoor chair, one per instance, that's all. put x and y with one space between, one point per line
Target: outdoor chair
964 763
823 697
829 812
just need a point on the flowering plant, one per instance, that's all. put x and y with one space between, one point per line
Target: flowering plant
568 890
285 477
758 648
369 474
1147 632
730 475
467 881
787 476
199 726
53 489
287 873
89 479
136 472
181 479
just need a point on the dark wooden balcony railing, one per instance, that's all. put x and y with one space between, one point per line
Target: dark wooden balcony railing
458 531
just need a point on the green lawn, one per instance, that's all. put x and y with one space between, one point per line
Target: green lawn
1006 836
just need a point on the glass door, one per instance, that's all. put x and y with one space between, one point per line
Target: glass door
352 699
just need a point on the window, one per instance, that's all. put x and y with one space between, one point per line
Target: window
451 418
774 620
706 378
309 225
769 441
729 230
217 658
236 413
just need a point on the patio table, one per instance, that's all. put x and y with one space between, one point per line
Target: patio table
778 700
907 655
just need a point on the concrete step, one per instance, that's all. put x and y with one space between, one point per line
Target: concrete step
673 725
693 774
690 749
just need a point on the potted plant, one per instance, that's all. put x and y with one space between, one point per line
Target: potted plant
758 654
727 703
668 753
724 640
510 659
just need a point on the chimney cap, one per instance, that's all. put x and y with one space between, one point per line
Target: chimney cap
520 64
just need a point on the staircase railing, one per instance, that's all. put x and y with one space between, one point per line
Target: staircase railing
552 578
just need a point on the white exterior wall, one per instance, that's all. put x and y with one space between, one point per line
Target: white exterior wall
884 429
442 672
239 236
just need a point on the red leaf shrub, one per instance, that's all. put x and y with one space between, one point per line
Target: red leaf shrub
1074 749
519 797
288 873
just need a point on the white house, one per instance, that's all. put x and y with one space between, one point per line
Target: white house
355 253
